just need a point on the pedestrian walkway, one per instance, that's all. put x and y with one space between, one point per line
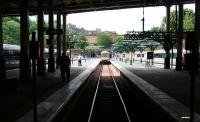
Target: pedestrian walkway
15 103
174 83
84 62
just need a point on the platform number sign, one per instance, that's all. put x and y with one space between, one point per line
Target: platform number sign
149 55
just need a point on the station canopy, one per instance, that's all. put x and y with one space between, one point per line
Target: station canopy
12 7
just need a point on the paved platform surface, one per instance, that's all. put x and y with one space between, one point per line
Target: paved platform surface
15 101
166 85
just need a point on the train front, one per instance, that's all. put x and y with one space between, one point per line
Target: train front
105 57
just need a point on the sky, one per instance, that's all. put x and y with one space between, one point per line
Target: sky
121 20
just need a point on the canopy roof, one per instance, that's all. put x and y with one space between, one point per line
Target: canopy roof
12 7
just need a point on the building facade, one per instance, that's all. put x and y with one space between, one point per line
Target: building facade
92 38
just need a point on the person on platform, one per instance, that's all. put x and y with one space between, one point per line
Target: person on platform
79 60
65 67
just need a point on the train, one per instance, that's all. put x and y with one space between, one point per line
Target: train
12 55
105 57
158 56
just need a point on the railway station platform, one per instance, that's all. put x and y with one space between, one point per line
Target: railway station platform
15 102
168 88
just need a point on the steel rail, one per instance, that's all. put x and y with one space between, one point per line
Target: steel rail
115 84
94 98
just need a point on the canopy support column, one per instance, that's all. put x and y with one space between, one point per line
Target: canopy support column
64 44
51 60
195 59
58 41
179 39
24 43
2 61
41 61
167 58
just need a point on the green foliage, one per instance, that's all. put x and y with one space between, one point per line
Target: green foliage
11 32
121 47
94 47
71 31
103 39
81 42
119 38
157 29
188 20
127 46
16 19
32 27
11 29
91 48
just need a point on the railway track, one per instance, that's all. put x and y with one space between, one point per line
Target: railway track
108 104
107 96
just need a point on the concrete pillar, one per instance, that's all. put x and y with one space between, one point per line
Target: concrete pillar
194 69
167 58
41 61
64 44
197 37
58 41
51 60
2 61
179 38
24 36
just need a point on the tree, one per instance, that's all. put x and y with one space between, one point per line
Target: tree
120 47
32 27
119 38
11 32
103 39
81 42
188 20
16 19
11 29
157 29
